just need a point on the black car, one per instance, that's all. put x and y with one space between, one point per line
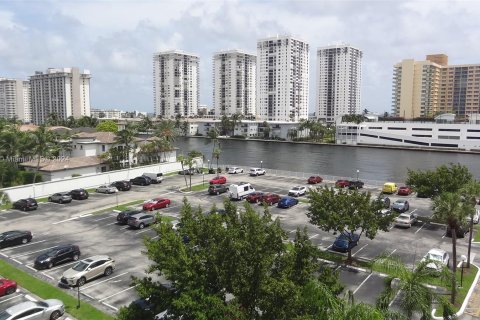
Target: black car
461 231
123 216
57 255
355 184
217 189
26 204
11 238
141 181
122 185
187 172
79 194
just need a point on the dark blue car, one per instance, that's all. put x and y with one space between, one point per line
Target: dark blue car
342 243
287 202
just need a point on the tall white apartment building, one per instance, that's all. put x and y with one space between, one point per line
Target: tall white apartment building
15 99
63 91
339 74
282 79
176 86
234 74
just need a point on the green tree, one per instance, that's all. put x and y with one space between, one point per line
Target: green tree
107 126
449 208
226 125
235 119
471 191
87 121
347 213
213 134
54 120
216 155
44 144
184 127
126 137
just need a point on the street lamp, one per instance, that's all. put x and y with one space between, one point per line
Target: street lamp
358 171
464 258
78 297
208 164
261 164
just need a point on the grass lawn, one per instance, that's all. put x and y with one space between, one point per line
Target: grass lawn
46 291
477 233
6 206
197 187
44 199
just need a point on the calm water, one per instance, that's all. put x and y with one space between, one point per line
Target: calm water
373 164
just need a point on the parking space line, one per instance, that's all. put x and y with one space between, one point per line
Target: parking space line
31 268
359 250
3 254
30 252
97 283
363 282
313 237
444 235
293 231
393 300
102 218
117 293
61 266
19 262
420 228
23 245
391 253
46 275
74 218
87 295
144 230
155 237
110 306
18 295
110 223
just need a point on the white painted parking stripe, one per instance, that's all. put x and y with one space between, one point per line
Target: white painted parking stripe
74 218
87 295
293 231
391 302
391 253
61 266
102 218
23 245
3 254
113 295
110 306
19 262
359 250
444 235
31 268
420 228
109 224
46 275
97 283
363 282
30 298
30 252
144 230
155 237
313 237
18 295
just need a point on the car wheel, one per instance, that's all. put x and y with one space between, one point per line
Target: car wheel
217 193
60 201
49 199
75 257
141 226
10 290
108 271
24 208
81 281
50 265
167 205
55 315
24 240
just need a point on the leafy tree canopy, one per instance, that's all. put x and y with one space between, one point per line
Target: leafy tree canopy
107 126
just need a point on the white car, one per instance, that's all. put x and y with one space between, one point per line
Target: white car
235 170
257 171
106 189
476 217
438 257
297 191
405 220
50 309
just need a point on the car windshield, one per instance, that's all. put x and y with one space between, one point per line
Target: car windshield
151 201
403 218
52 253
399 202
80 266
41 304
296 188
433 256
4 315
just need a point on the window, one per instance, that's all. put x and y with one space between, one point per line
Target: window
447 145
452 130
396 128
422 135
416 142
449 137
473 130
103 147
391 139
376 128
473 137
422 129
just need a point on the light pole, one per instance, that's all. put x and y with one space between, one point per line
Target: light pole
464 258
261 164
358 171
208 165
78 296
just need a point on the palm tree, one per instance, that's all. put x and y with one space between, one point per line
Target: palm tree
213 134
225 125
471 191
450 209
146 124
216 155
44 144
126 137
182 160
235 119
166 132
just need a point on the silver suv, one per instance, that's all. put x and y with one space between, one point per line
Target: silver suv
257 171
88 269
61 197
50 309
141 220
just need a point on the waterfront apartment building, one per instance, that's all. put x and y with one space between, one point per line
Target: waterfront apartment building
106 113
64 92
426 88
234 78
339 75
15 99
282 79
176 86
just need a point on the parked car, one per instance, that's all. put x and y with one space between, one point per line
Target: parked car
87 269
461 229
404 191
355 184
257 172
476 217
235 170
79 194
405 220
187 172
344 243
314 179
50 309
385 201
122 185
218 180
342 183
287 202
60 197
401 205
270 198
254 197
26 204
57 255
7 287
156 203
217 188
122 217
106 189
154 177
141 181
389 187
297 191
438 257
141 220
240 191
11 238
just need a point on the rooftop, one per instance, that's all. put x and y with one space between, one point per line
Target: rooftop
58 164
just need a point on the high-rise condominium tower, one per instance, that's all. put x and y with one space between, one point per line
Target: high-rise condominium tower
282 79
175 84
426 88
339 74
64 92
15 99
234 88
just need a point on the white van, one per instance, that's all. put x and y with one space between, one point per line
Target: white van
155 177
241 190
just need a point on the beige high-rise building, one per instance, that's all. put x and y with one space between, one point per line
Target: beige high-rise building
15 99
426 88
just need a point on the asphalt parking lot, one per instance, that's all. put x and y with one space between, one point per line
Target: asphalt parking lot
98 233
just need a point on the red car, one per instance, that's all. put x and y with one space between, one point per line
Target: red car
156 203
342 183
271 198
314 179
218 180
7 287
404 191
255 197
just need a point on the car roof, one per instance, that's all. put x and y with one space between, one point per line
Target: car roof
437 251
255 169
141 214
61 246
13 310
95 258
13 231
401 201
407 215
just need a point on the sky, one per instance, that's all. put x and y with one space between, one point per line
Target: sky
116 40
